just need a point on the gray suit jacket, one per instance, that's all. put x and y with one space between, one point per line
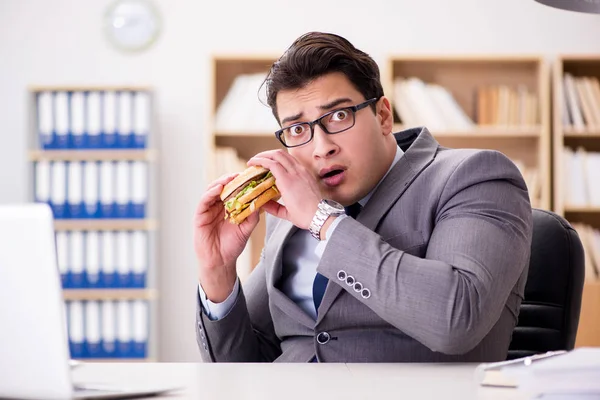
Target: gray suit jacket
440 252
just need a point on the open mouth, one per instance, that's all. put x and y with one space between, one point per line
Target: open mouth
332 173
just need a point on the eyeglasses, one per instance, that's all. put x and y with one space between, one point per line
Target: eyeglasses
335 121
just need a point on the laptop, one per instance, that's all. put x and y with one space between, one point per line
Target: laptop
34 360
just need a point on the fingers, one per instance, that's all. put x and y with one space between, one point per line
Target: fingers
271 158
222 180
276 209
209 199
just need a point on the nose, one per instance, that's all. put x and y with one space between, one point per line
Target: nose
324 146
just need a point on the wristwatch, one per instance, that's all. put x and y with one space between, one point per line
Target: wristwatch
326 209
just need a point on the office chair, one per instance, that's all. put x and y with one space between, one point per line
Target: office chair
549 313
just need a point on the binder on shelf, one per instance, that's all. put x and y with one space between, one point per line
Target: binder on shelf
140 329
109 119
91 183
141 122
92 260
108 273
58 190
107 189
93 137
76 250
139 259
124 129
122 189
45 118
62 255
61 109
123 258
42 181
139 189
109 330
93 346
75 190
77 107
124 332
76 329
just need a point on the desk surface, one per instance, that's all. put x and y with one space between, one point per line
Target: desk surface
299 381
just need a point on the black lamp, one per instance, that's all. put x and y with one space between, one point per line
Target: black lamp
585 6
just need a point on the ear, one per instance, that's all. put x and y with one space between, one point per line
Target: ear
385 115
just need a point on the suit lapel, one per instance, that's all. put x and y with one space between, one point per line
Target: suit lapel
419 148
280 236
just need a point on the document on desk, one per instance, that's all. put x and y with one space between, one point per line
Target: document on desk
575 374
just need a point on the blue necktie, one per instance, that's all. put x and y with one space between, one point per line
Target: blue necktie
320 282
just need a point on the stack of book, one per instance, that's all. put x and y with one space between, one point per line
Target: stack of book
581 102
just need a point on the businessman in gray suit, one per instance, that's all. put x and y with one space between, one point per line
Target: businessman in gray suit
385 247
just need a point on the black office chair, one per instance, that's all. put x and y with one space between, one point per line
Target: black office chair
549 314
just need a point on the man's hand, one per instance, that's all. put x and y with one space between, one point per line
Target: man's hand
218 243
299 189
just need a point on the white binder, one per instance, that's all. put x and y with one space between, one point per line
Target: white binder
109 119
107 189
77 257
123 187
109 329
75 190
139 258
62 256
141 123
92 259
124 129
93 139
140 328
61 109
139 188
45 116
124 331
123 259
42 181
91 183
77 120
93 346
76 329
58 196
107 266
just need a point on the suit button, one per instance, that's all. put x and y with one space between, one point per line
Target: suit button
341 275
323 338
366 293
350 280
358 287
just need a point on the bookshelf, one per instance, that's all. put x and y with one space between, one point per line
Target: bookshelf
576 151
479 101
92 157
241 126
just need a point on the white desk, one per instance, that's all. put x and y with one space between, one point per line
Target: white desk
300 381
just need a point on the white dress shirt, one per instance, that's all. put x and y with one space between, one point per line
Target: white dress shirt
301 256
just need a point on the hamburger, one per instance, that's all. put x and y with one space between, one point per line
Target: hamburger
247 192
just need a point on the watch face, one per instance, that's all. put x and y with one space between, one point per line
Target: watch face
334 204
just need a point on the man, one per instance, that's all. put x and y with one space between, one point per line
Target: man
432 268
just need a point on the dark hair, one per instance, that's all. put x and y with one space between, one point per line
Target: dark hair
315 54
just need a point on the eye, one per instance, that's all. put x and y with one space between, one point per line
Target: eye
297 130
339 115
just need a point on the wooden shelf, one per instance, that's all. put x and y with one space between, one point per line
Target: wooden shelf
572 209
109 294
105 224
488 132
573 133
93 155
114 360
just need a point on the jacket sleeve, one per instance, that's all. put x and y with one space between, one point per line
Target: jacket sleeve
245 333
478 249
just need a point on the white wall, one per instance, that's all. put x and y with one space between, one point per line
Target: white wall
61 42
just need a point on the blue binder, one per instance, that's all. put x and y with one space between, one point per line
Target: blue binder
45 120
141 126
75 190
77 118
109 119
62 126
58 189
93 136
125 113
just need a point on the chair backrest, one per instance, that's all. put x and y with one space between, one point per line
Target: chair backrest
549 313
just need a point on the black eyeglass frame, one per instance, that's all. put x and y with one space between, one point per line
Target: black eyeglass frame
317 121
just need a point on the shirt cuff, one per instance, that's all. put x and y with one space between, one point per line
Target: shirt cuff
216 311
320 249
